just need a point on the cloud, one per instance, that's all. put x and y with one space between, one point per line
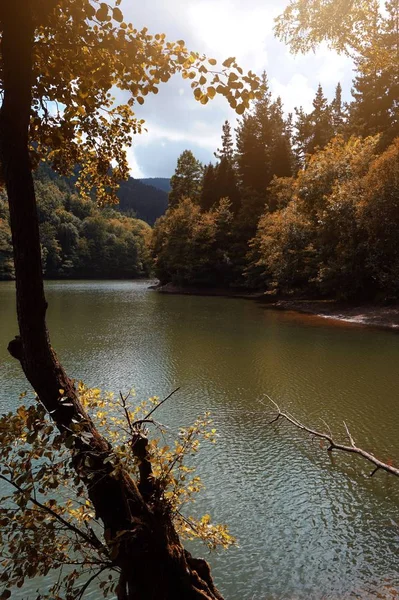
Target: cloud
221 28
226 28
297 92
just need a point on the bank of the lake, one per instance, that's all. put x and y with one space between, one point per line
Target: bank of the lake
309 526
374 315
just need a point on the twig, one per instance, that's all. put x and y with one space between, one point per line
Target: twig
160 404
349 436
92 540
335 445
88 582
123 400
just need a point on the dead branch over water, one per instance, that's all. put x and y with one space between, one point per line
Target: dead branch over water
333 445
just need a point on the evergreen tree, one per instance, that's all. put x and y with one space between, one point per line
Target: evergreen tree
321 122
226 151
337 111
247 158
254 142
369 112
281 161
208 192
302 136
313 131
226 183
187 180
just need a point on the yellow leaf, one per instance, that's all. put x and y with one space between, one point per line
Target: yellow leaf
102 12
117 15
211 92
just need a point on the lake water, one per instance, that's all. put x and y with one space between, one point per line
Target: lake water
308 526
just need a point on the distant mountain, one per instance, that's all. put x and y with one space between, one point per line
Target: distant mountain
161 183
78 238
146 201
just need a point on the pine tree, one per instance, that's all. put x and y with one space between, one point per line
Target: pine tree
226 151
208 191
369 112
254 141
337 111
302 136
314 130
187 180
226 183
321 122
281 157
248 152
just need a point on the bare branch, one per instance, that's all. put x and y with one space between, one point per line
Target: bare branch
335 445
124 406
89 581
160 404
349 436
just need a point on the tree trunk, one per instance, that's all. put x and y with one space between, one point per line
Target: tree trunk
152 561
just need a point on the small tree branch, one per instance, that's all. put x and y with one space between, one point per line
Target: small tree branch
89 581
160 404
333 445
90 539
349 436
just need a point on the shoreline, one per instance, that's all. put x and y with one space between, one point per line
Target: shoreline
366 315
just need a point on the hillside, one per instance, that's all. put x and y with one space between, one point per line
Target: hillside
81 240
161 183
146 201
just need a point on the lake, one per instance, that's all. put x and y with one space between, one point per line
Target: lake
308 526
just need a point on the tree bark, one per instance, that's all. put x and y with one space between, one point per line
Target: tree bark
151 558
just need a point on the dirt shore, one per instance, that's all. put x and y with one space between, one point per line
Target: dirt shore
375 315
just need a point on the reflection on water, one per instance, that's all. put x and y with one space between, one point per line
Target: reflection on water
309 526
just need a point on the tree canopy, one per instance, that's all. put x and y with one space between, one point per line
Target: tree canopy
83 51
60 62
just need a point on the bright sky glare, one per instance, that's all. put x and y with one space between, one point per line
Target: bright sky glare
221 28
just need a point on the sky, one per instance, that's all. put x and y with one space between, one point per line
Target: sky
220 28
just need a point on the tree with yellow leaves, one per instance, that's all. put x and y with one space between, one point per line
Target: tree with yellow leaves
60 61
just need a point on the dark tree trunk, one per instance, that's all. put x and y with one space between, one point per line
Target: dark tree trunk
153 563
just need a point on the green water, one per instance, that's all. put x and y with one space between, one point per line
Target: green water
308 527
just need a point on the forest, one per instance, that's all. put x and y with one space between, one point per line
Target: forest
304 204
297 204
81 240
